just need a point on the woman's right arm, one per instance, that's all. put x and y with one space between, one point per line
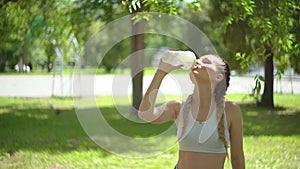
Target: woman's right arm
168 111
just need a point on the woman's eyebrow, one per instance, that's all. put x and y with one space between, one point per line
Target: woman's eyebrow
206 60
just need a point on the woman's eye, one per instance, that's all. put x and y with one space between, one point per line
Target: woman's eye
206 61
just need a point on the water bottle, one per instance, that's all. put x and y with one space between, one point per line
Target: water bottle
176 58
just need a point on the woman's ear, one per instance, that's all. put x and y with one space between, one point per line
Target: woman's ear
219 77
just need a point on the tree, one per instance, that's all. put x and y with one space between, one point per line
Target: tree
260 31
202 20
106 11
13 37
138 41
57 30
46 22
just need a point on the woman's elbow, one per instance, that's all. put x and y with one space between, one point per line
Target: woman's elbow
143 115
148 117
140 115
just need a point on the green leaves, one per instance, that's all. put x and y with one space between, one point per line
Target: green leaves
171 7
243 59
255 29
132 5
258 79
36 24
249 6
196 5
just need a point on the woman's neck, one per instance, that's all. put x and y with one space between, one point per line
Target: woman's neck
203 97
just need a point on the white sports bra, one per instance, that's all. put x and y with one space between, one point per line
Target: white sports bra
201 136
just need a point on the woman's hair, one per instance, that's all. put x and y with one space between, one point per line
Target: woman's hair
219 96
187 106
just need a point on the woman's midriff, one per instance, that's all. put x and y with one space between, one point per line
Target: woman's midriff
197 160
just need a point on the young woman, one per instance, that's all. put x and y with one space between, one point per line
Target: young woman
207 123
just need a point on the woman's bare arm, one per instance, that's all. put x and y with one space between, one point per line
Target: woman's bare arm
149 112
168 111
236 137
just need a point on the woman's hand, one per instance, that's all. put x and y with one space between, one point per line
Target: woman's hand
166 67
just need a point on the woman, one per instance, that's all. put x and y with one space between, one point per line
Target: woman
206 122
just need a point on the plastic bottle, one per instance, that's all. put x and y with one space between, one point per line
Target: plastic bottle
175 58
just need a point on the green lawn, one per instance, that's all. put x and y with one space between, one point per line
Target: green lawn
46 133
88 70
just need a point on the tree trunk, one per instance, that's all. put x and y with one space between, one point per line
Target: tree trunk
2 62
49 63
137 64
2 66
267 97
21 64
50 52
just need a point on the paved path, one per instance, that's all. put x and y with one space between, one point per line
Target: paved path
43 86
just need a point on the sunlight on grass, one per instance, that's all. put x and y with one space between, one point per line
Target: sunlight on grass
272 151
46 133
87 71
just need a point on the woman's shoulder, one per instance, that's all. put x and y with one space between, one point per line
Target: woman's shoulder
231 105
232 109
175 105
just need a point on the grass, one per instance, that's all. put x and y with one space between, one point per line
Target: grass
46 133
88 70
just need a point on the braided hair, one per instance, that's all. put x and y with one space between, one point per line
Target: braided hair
219 96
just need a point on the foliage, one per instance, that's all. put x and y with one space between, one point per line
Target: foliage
45 25
208 22
250 27
256 30
96 14
48 25
13 36
116 55
256 91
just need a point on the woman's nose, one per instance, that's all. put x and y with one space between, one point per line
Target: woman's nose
197 62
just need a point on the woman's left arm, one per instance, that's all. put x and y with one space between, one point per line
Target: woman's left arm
236 137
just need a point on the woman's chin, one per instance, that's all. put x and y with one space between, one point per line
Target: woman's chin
195 71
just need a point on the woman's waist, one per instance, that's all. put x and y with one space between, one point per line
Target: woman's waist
189 159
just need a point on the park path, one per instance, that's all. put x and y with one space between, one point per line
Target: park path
42 86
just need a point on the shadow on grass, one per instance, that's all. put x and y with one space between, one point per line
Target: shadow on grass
132 128
52 130
264 121
58 130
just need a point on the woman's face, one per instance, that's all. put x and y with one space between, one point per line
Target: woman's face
207 68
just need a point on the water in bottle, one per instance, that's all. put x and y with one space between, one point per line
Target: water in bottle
176 58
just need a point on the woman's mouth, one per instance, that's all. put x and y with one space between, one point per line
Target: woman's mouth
196 67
